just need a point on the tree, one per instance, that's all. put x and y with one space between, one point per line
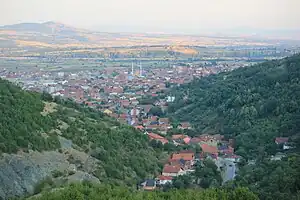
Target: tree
156 111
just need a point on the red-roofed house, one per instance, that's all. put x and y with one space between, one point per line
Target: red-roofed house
140 127
173 170
281 140
184 125
208 149
178 136
153 136
185 159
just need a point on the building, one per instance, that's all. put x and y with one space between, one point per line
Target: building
162 180
173 170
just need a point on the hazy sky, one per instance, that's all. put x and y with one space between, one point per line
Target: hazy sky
156 15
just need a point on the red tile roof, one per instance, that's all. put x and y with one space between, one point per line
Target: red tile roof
155 136
178 136
281 140
171 168
209 149
185 125
164 178
139 127
184 156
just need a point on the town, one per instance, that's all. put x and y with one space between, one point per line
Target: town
139 97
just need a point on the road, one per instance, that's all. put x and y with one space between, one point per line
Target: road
229 171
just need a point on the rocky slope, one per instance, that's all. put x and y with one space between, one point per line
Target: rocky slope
20 173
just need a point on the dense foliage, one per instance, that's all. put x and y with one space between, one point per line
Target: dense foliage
21 122
124 153
253 105
206 175
91 192
256 104
273 179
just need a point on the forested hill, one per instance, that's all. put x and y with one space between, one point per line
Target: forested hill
106 192
253 104
33 121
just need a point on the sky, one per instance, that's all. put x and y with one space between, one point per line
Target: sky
188 16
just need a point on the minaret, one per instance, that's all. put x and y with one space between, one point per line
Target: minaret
132 68
141 70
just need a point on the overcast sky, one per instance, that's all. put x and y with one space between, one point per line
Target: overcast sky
156 15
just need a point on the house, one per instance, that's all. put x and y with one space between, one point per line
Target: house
152 127
281 140
163 121
278 156
186 159
172 170
181 138
153 118
162 180
134 112
124 103
107 111
153 136
209 150
178 136
146 122
225 149
139 127
287 146
232 158
149 185
184 125
187 140
163 128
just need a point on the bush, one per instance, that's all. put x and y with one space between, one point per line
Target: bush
57 173
42 185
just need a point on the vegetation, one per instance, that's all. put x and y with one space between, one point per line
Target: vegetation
253 105
124 154
273 179
21 122
91 192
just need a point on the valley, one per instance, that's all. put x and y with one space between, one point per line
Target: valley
88 114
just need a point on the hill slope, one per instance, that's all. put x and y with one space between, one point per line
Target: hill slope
120 153
254 104
91 192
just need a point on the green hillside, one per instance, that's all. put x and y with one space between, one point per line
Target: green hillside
253 104
93 192
28 123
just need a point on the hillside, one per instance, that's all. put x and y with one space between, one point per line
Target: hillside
256 104
253 105
38 137
91 192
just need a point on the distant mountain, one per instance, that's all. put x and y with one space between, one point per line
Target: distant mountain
57 35
50 27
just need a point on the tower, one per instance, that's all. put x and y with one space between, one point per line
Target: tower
141 70
132 68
